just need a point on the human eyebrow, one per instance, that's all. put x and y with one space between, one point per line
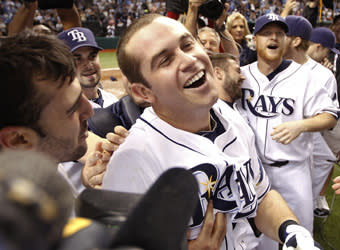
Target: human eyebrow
75 105
155 58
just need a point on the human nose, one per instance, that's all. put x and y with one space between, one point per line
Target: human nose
187 61
86 110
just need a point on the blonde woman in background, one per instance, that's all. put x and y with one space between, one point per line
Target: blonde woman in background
238 27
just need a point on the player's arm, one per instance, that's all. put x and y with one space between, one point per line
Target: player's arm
271 213
212 233
275 219
23 18
286 132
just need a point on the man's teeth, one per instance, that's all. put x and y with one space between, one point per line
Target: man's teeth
194 79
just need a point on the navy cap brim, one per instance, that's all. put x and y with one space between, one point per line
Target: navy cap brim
335 51
85 45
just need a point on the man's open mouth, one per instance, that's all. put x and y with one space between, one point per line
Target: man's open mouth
196 81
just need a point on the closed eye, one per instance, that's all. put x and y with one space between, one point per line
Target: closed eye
165 61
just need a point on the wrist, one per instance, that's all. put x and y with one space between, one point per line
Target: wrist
220 28
283 229
194 5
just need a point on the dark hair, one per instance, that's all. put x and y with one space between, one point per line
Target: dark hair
127 61
28 60
221 59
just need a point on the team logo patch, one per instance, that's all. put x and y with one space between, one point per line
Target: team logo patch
77 35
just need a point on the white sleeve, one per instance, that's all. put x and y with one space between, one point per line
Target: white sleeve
317 101
129 170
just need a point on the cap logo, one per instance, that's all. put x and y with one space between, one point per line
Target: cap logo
77 35
272 17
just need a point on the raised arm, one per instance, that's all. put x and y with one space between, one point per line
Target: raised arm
289 6
23 18
69 17
228 43
192 15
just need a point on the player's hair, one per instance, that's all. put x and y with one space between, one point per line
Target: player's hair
28 60
211 31
233 17
221 59
128 63
304 45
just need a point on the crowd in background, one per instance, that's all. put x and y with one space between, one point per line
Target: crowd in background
110 17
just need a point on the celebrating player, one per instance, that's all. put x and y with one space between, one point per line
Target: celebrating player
282 103
296 47
185 127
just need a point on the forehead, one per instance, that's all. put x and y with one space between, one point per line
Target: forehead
207 34
163 33
238 21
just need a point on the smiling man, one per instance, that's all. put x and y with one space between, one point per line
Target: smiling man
85 49
283 103
186 126
44 108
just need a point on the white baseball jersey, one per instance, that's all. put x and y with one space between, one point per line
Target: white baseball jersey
105 99
227 170
291 94
326 79
332 137
323 157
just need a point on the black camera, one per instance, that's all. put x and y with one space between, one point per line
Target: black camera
54 4
212 9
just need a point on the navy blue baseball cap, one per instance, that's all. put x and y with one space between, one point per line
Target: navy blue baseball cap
270 18
325 37
299 26
78 37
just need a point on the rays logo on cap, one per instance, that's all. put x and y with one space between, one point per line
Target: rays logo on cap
267 19
77 35
273 17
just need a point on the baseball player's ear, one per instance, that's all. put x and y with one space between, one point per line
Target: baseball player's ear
297 41
18 138
254 40
143 92
219 73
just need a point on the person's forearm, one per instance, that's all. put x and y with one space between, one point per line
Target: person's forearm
191 19
23 18
228 43
319 122
271 213
69 17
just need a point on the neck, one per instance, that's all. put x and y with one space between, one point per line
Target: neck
91 93
266 67
195 122
300 57
223 95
